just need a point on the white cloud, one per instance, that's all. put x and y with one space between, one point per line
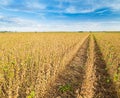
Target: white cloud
112 4
75 6
5 2
23 22
72 10
83 26
102 11
115 6
24 6
1 16
20 24
86 6
35 5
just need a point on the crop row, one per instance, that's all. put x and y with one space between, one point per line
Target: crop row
109 44
29 62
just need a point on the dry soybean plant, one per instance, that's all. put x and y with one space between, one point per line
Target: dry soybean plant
30 61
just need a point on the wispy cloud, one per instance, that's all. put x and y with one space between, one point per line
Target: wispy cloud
1 16
35 5
73 10
17 22
61 6
73 14
5 2
102 11
20 24
23 5
87 6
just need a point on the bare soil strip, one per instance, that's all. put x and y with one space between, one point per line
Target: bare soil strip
69 81
105 87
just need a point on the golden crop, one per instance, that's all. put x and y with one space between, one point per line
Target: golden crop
30 62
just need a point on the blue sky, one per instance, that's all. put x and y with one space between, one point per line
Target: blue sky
59 15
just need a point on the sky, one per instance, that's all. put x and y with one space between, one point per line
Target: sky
59 15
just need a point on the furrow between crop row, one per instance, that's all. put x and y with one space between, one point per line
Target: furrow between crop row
69 80
85 76
97 82
105 87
